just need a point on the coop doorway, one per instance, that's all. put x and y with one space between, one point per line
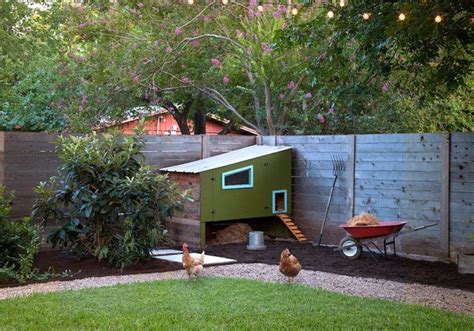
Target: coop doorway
279 201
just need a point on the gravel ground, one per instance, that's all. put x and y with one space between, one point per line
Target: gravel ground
443 298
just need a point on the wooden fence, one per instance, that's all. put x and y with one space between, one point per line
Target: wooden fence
421 178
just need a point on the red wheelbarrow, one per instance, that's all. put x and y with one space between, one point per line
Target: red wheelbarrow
365 236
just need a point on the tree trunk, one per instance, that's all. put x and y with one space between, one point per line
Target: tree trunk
269 108
199 121
180 117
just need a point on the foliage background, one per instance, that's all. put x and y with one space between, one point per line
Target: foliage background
77 67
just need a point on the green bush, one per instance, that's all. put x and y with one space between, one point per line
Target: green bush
19 243
110 205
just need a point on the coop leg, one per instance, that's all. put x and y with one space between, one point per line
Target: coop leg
202 235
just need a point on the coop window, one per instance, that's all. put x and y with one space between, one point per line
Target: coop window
279 201
238 178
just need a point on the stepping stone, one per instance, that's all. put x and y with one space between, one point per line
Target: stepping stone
164 251
208 259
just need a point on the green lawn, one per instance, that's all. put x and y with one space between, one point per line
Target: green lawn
217 303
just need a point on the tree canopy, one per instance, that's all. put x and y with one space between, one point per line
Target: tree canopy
363 70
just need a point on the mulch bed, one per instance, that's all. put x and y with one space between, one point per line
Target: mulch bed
311 258
327 260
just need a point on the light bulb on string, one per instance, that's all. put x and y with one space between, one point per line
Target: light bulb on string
225 2
365 16
438 18
330 14
190 2
294 11
402 17
260 8
342 3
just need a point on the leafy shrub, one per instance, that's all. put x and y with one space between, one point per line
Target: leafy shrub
110 204
19 243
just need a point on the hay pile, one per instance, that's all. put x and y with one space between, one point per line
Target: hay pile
363 219
234 233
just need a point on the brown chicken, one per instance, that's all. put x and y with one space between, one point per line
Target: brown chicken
363 219
192 266
289 265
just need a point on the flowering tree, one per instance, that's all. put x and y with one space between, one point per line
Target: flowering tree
174 55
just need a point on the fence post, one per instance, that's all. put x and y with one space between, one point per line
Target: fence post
205 146
445 179
351 168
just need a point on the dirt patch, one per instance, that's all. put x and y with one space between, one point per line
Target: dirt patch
60 261
327 260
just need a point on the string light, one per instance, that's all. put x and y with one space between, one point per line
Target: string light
225 2
260 8
330 14
342 3
401 17
294 11
191 2
366 16
438 19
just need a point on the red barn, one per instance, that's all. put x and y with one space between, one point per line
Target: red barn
163 123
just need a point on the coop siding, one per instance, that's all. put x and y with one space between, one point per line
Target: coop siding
313 177
398 177
462 193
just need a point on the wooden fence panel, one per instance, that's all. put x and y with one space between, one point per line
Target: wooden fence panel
461 213
398 177
28 159
313 177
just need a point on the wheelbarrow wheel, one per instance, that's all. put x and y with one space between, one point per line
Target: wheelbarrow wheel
350 248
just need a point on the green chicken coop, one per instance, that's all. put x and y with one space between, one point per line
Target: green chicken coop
249 183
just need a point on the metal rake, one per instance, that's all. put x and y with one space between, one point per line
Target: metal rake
338 168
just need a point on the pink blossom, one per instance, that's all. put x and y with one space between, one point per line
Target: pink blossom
178 31
321 119
156 43
291 85
282 9
251 13
331 110
145 96
145 60
308 95
385 86
226 80
266 48
252 3
277 14
216 63
195 43
281 96
136 78
82 25
185 80
169 49
80 109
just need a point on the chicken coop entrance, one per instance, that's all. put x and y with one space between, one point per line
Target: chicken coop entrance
279 201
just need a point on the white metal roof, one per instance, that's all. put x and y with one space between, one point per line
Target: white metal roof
225 159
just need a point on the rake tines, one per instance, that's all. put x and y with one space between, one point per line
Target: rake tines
338 165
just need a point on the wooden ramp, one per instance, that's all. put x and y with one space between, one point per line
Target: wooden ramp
292 227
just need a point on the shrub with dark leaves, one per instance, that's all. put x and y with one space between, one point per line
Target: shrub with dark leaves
108 203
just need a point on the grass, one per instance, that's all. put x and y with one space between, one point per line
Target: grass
217 303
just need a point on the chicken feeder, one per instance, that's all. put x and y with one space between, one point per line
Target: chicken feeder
256 242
